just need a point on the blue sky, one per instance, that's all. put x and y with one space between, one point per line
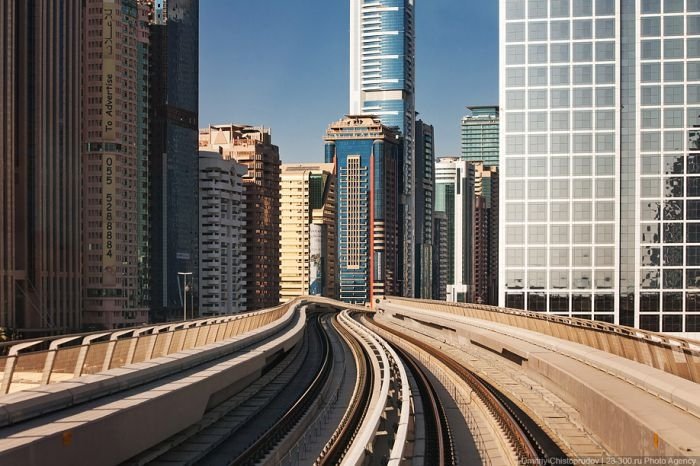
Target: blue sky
283 65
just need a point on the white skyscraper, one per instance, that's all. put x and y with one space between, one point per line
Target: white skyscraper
454 193
382 83
600 101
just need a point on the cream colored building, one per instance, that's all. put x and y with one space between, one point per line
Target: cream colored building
308 231
252 146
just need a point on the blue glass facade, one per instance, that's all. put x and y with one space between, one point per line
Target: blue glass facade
354 278
387 59
391 112
382 84
367 167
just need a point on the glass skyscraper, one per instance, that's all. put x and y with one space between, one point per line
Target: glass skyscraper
480 135
382 82
601 198
174 148
425 188
366 156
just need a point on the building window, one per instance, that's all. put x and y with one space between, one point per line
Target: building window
605 51
651 49
537 99
581 303
537 53
604 303
559 8
651 95
673 25
583 52
651 26
582 8
673 48
559 75
559 303
537 31
515 77
515 54
515 32
537 302
583 74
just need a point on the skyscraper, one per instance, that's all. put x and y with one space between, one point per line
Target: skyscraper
308 231
483 219
252 146
480 135
174 28
40 179
454 196
440 256
491 183
366 155
222 246
601 195
382 83
425 183
8 123
115 151
480 147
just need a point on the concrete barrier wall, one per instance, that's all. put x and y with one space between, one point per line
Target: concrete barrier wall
24 368
116 428
676 356
650 424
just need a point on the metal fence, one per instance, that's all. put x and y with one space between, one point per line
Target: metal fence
73 356
676 356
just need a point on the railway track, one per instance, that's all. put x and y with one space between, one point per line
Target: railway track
270 439
528 440
337 446
231 432
439 449
255 437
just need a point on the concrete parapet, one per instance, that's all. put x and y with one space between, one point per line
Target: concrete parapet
635 409
145 403
674 355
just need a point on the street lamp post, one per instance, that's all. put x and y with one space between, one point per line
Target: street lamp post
184 293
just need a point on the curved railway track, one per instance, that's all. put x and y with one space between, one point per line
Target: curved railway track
529 441
439 449
267 442
342 438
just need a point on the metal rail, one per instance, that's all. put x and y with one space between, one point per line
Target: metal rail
518 430
334 451
215 418
389 406
295 413
439 448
